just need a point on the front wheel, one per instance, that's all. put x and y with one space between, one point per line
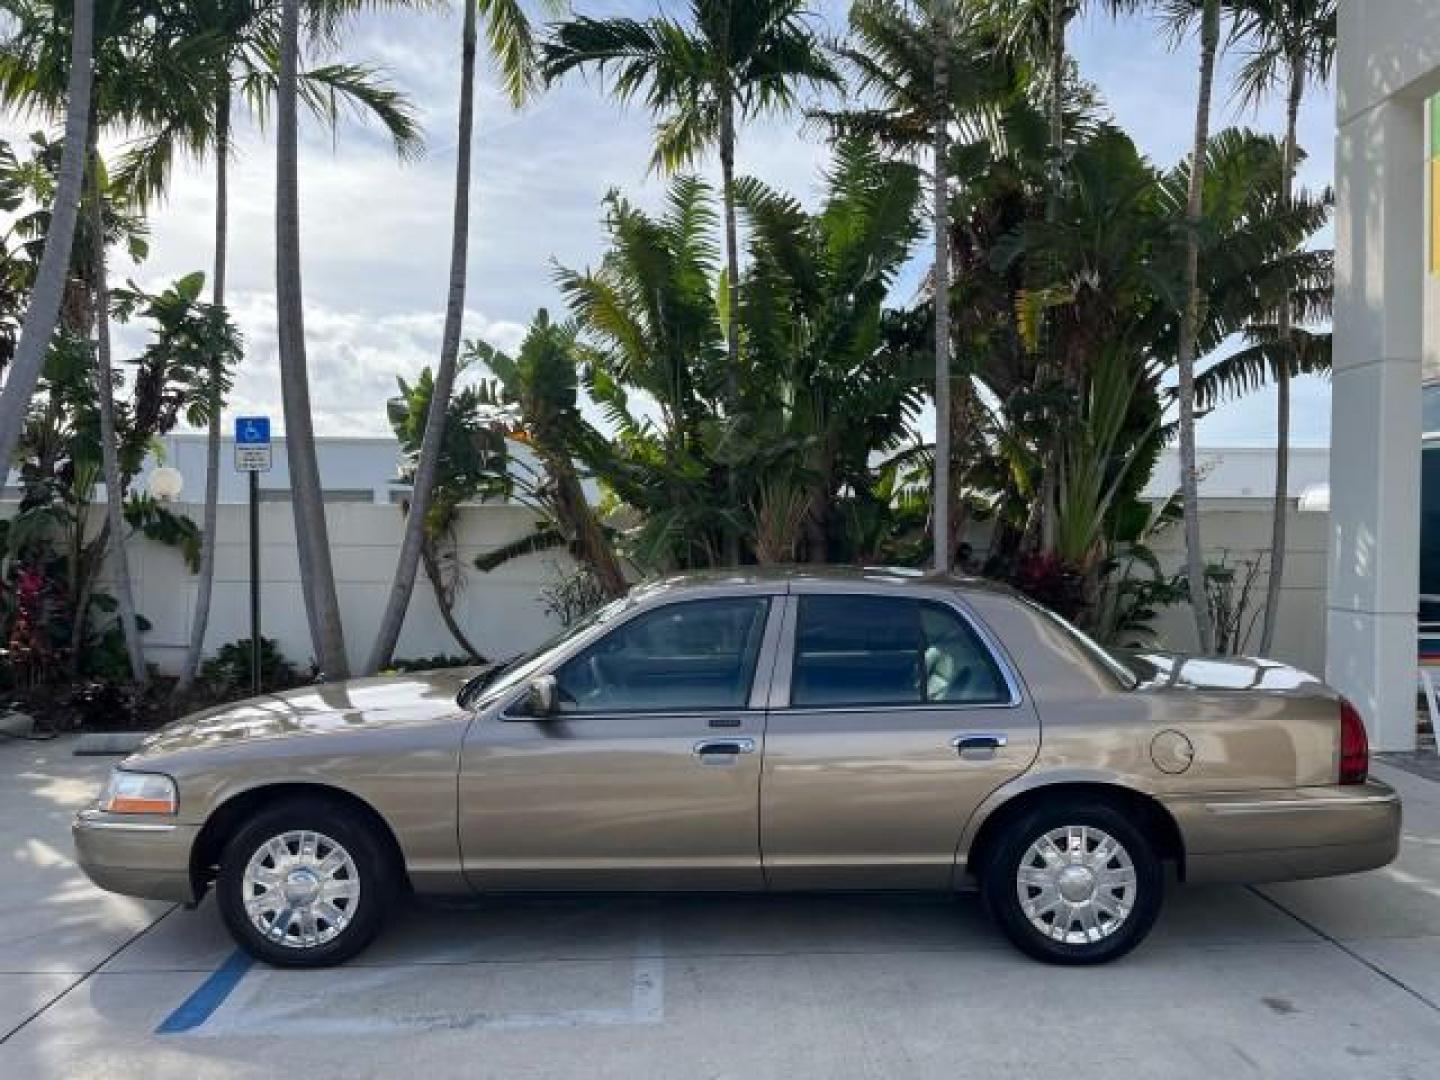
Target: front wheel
1074 883
306 883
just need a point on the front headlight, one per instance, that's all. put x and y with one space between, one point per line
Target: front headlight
139 793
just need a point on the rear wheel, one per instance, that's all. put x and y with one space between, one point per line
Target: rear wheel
1074 883
305 883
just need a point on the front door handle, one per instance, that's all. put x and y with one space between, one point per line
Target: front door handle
978 743
707 747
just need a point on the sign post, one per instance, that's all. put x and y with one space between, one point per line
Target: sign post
253 455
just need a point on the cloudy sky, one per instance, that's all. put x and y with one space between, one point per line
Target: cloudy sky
376 232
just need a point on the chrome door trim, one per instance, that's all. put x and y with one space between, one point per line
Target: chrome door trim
1285 806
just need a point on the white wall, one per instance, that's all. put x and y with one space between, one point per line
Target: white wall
501 611
1239 472
1241 529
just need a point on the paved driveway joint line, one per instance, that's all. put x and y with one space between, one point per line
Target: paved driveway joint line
1376 968
131 940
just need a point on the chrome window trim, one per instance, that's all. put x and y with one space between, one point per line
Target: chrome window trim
742 711
923 707
781 693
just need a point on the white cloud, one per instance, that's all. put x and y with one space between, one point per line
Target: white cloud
354 359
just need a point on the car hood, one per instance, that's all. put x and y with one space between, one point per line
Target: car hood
1161 671
385 700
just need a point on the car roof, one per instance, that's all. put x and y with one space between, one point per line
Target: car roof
898 577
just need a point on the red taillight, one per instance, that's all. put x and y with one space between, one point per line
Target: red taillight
1354 746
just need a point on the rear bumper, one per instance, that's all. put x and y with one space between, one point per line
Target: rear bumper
145 859
1254 837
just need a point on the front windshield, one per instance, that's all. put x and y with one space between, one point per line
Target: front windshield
519 668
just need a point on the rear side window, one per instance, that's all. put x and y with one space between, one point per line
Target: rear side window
876 650
693 655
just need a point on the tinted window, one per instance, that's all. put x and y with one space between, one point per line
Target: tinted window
694 655
495 681
872 650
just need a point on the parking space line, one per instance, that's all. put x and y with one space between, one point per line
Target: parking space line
208 996
43 1009
254 1013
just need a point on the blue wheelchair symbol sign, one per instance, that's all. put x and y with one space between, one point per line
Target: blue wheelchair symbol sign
252 430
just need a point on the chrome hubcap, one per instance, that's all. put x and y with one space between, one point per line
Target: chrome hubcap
1076 884
301 889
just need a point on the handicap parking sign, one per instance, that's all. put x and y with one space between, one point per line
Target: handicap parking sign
252 444
252 430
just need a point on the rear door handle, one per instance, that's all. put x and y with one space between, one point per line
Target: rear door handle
978 742
707 747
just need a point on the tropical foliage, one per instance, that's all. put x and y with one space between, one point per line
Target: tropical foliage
967 346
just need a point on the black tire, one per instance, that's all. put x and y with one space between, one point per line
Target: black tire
1002 891
377 881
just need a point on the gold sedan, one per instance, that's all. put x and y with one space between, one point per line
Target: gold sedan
796 730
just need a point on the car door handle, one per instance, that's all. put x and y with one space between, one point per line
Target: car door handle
706 747
978 742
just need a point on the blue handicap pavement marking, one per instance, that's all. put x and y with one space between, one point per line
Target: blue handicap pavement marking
208 996
252 430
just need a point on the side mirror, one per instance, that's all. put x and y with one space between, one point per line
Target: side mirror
542 697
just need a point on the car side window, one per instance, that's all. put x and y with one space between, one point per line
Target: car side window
959 667
876 650
691 655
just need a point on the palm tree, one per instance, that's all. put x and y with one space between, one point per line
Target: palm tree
736 59
835 389
929 68
649 320
54 272
940 17
473 466
168 75
508 32
243 34
1036 31
1182 11
145 68
541 384
1293 42
317 576
109 447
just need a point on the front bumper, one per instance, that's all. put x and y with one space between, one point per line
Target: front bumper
1255 837
149 859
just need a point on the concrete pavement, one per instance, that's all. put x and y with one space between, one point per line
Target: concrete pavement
1323 979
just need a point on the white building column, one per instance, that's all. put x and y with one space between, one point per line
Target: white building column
1375 435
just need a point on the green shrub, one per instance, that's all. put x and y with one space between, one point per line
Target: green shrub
226 675
430 663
